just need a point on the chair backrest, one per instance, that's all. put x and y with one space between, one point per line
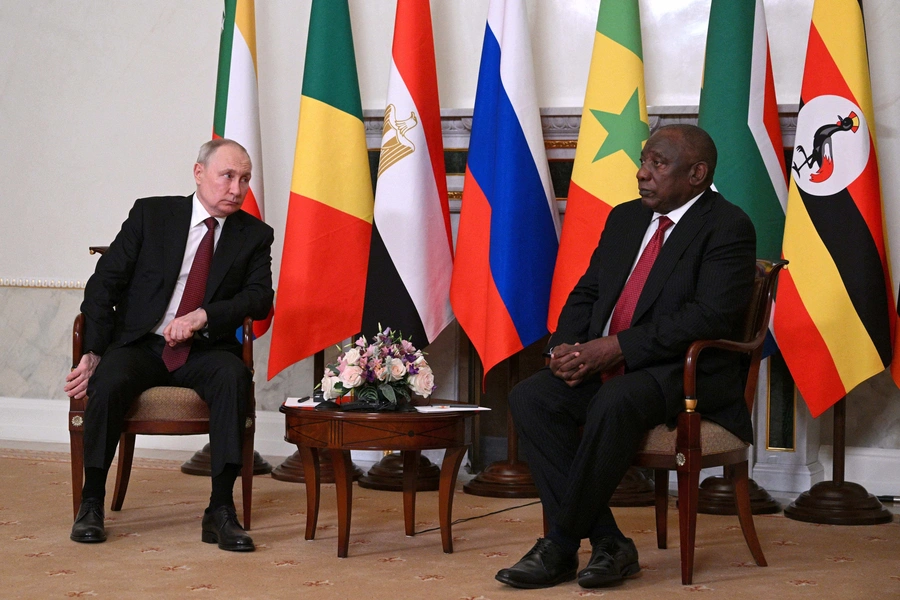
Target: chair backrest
756 323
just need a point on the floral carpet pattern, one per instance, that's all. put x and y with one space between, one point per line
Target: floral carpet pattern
154 548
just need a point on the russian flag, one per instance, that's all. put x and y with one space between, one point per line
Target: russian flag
509 223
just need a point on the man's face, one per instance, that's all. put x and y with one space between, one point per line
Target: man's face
666 179
223 182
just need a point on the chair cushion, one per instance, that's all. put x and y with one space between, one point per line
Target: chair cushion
714 439
168 403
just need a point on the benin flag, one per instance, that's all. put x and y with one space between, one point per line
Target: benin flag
614 127
237 102
738 109
329 221
836 318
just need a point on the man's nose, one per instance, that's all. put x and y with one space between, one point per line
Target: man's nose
642 173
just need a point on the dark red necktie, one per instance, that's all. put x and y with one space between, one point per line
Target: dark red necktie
194 290
624 310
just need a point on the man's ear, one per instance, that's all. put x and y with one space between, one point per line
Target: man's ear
698 173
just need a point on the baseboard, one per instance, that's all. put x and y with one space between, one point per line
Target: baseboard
37 420
876 469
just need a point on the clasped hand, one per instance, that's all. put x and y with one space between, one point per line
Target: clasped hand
181 329
573 363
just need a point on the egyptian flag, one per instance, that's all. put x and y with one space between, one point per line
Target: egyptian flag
411 257
614 127
836 316
509 223
236 114
329 220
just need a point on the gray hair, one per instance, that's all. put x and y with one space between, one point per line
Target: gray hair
209 148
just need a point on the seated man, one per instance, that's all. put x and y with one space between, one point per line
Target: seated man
616 359
162 308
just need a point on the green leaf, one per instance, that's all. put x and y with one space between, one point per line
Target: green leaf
388 392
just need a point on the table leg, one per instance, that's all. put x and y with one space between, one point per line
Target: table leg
343 480
449 470
410 474
310 458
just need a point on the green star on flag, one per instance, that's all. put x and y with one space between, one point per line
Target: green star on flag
625 131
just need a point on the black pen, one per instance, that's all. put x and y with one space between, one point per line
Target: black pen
891 499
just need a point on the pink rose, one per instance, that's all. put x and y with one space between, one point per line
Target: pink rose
351 357
422 383
397 369
351 376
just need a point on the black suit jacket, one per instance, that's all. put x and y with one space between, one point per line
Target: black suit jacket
131 287
699 288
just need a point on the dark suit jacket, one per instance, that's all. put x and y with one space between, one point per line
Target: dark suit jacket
699 288
131 287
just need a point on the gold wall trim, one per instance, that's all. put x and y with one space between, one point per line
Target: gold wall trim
56 284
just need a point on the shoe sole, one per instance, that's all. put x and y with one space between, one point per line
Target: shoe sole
87 539
595 581
524 585
211 538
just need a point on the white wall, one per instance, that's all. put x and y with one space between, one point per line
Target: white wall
102 102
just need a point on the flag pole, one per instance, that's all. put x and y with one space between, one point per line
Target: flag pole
838 502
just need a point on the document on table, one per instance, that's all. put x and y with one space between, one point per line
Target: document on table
305 402
437 408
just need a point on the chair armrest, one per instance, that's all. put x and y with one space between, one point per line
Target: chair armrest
692 356
247 342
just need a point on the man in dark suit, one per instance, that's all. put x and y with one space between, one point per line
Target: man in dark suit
616 359
162 308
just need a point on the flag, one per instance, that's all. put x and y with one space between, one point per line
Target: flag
836 317
614 127
322 280
411 257
738 109
509 224
236 113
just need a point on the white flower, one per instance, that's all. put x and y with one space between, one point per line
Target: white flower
351 376
422 383
352 356
328 383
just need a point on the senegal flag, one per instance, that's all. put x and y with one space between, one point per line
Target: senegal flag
236 115
614 127
321 286
835 317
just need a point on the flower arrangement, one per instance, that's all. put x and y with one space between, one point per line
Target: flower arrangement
388 368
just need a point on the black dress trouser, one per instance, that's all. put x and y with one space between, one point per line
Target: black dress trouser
576 476
220 377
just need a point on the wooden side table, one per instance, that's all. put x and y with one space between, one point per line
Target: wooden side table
338 433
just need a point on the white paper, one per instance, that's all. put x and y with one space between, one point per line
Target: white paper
437 408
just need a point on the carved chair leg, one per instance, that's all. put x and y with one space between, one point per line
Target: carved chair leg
123 472
247 476
740 478
76 448
688 491
661 494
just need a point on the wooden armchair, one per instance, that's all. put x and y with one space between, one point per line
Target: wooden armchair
163 410
696 443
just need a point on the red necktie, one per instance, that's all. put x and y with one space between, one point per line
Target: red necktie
194 290
624 310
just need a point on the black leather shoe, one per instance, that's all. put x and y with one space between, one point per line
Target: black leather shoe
221 526
545 565
612 560
88 526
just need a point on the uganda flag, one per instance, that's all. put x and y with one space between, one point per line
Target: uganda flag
236 115
322 281
614 127
836 317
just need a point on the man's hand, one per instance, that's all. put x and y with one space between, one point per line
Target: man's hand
77 379
575 363
181 329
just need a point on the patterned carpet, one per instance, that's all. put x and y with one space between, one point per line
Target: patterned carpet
154 548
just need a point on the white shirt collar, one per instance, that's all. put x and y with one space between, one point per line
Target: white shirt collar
200 214
676 214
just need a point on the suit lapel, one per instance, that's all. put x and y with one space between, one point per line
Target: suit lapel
226 251
176 226
625 239
681 238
